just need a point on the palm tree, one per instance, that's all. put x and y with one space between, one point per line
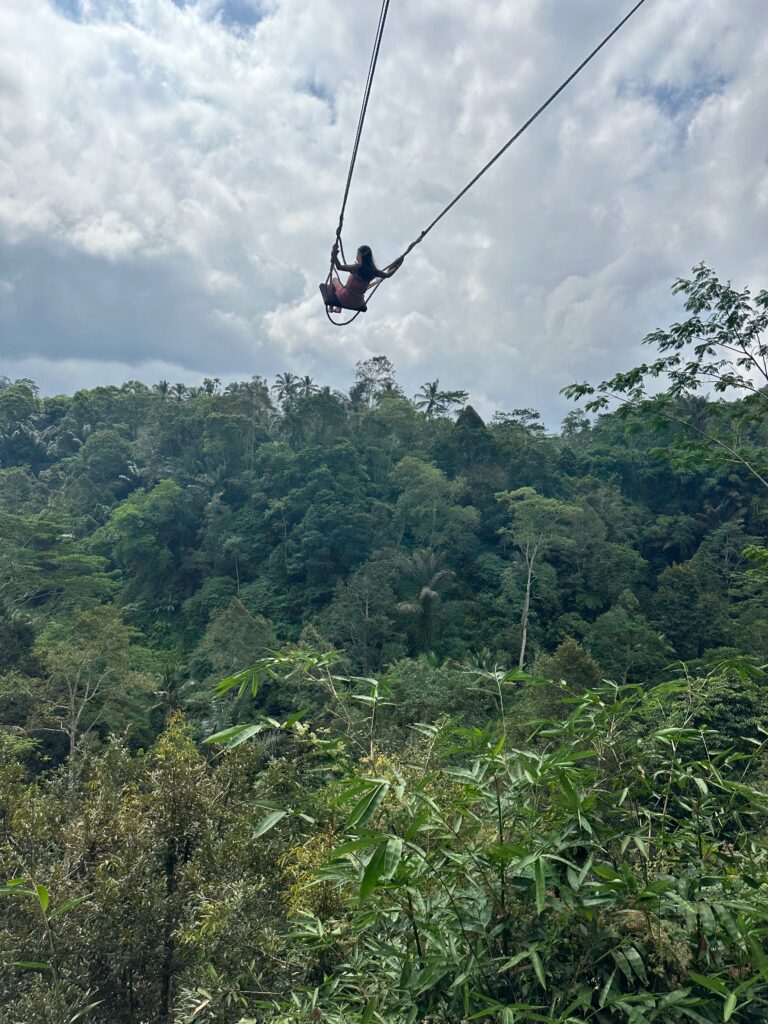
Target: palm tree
179 390
429 399
425 570
436 402
306 387
162 388
286 386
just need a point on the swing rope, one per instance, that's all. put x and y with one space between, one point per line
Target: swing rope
358 135
524 128
561 88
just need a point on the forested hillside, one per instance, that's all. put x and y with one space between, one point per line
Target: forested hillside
382 560
210 526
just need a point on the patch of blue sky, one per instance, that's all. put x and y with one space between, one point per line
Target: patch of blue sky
238 15
69 8
677 101
319 92
235 14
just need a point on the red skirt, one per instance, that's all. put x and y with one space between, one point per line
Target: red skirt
338 294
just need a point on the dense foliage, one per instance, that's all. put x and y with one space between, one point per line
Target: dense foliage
544 846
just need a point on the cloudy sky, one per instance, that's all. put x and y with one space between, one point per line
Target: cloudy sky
171 173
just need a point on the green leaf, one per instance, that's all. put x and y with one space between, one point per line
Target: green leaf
607 872
369 1011
237 679
268 822
17 890
365 808
641 844
68 906
509 964
538 968
540 881
381 866
713 984
293 719
356 844
636 961
235 735
673 998
86 1009
42 895
32 965
730 1006
606 990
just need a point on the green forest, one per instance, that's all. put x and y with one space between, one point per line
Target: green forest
358 706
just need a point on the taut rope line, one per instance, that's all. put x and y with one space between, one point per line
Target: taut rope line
521 131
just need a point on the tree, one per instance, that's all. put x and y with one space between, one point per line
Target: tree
691 617
626 646
359 619
571 665
307 387
17 641
86 664
434 402
234 640
721 346
574 423
21 440
150 536
536 523
425 569
429 511
286 387
374 378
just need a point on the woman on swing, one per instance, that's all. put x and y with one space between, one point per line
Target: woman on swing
362 274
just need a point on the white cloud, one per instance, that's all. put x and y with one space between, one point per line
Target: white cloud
170 180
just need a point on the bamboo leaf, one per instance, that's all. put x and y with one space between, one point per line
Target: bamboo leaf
42 895
713 984
365 808
235 735
381 866
509 964
540 881
606 990
86 1009
242 678
68 906
268 823
538 968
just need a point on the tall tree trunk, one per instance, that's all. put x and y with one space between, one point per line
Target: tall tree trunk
524 616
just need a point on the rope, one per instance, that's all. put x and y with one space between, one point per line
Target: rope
356 145
363 110
524 128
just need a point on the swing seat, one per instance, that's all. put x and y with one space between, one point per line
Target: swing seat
331 299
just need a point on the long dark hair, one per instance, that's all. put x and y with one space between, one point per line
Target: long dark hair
366 268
